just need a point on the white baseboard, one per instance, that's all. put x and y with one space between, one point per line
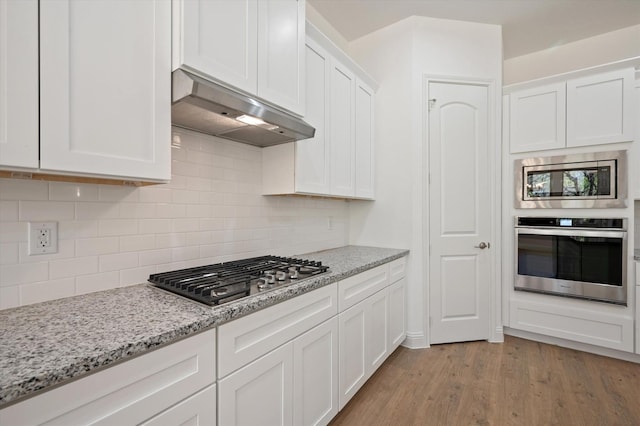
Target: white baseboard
415 341
584 347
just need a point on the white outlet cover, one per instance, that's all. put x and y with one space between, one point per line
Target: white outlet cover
36 245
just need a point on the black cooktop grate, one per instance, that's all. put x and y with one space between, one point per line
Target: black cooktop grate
225 282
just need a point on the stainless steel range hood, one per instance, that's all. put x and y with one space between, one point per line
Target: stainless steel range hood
207 107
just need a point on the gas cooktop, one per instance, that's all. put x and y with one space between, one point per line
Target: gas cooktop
225 282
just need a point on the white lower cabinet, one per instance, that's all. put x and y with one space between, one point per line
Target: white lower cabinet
397 328
197 410
131 392
353 359
295 384
260 393
315 375
638 320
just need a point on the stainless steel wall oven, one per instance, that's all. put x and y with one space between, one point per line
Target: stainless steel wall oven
576 257
572 181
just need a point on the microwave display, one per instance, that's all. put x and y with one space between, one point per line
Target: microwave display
577 182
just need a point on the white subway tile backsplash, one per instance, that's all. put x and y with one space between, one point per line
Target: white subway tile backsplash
8 211
47 290
115 262
154 257
73 267
112 227
19 273
120 194
110 236
97 282
137 242
136 275
46 210
13 232
16 189
85 211
97 246
60 191
8 253
9 297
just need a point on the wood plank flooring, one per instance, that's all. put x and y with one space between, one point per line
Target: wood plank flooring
519 382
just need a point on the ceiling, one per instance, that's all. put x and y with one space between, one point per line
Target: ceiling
528 25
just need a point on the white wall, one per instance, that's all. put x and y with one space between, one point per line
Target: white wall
112 236
399 56
610 47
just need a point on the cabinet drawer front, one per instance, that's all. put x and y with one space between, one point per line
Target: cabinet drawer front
128 393
357 288
397 269
199 409
250 337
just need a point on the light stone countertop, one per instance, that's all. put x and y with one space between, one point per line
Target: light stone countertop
49 343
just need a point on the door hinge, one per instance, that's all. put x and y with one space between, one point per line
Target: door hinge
432 103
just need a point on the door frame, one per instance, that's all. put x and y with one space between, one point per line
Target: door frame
494 113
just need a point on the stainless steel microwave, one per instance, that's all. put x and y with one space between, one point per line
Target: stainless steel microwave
593 180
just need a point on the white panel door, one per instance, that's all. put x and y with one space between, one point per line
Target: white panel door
220 39
260 393
315 375
364 158
342 137
459 199
105 88
538 118
281 53
312 155
19 83
600 108
353 359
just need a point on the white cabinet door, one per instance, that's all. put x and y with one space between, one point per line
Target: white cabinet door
538 118
364 158
105 88
220 39
377 330
313 162
397 329
260 393
342 138
19 83
315 375
128 393
197 410
600 108
353 359
281 53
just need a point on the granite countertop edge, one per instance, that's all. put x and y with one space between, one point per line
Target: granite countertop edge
39 369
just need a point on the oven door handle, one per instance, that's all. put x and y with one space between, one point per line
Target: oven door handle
574 232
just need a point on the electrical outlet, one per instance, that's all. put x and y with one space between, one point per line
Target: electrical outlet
43 238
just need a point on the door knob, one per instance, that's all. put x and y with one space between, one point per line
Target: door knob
483 245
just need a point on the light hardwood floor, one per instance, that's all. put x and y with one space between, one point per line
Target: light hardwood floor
519 382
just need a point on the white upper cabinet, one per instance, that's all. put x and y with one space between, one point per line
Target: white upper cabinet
364 154
220 39
339 160
342 139
255 46
281 53
587 110
105 90
19 83
600 108
312 156
538 118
